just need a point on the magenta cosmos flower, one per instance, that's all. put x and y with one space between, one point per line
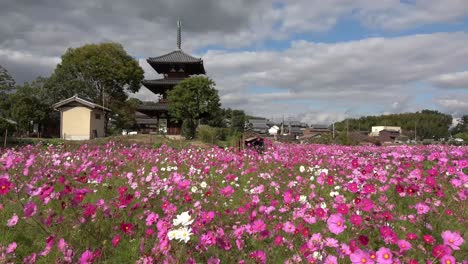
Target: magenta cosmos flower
336 223
452 239
5 186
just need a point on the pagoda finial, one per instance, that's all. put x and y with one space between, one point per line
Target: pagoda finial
179 34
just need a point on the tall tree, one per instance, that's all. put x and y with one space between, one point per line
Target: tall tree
7 83
100 72
191 100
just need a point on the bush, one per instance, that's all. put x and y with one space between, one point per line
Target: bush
212 135
207 134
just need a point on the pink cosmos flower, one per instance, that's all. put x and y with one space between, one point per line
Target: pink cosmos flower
86 257
116 240
422 208
360 257
12 221
384 256
403 245
331 260
353 187
440 251
5 186
126 228
258 226
452 239
289 227
355 220
11 248
227 191
428 239
213 260
448 259
259 256
30 209
208 239
336 223
151 219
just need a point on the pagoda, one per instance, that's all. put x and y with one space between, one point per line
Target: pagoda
174 66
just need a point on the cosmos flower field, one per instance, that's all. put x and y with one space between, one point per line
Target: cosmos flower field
118 203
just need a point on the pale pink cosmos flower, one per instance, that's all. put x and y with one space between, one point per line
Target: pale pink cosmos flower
422 208
336 224
11 248
12 221
384 256
360 257
289 227
452 239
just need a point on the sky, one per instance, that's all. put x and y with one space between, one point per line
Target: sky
314 61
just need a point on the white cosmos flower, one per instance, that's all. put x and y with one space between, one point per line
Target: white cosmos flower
172 234
302 198
183 234
323 205
183 219
203 185
301 169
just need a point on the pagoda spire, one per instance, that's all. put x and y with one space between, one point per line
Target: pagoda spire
179 34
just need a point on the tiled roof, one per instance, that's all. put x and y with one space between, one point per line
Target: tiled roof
177 56
77 99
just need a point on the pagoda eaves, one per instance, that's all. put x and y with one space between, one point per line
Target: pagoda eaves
177 61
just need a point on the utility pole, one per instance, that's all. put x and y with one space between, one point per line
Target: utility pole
333 129
347 127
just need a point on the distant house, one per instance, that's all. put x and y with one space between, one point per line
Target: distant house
388 135
258 125
295 128
375 132
273 130
81 119
317 130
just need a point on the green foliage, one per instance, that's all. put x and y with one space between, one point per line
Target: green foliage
191 100
100 72
124 113
428 123
27 108
7 83
463 136
212 135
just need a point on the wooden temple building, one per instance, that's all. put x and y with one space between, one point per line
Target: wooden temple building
174 66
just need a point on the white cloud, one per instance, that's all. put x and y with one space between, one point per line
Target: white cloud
377 72
456 80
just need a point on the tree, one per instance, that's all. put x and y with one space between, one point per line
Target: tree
7 83
125 115
191 100
100 72
26 108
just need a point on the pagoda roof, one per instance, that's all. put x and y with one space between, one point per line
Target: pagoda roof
176 56
158 86
153 109
162 64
